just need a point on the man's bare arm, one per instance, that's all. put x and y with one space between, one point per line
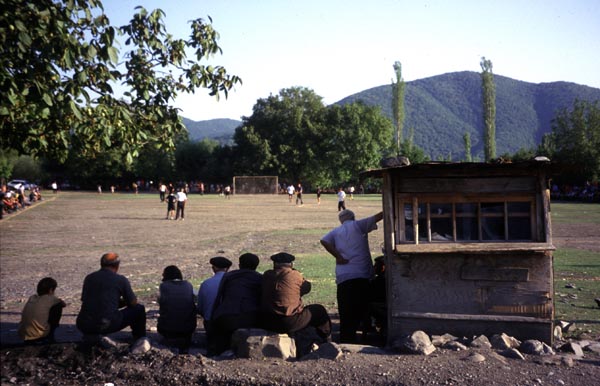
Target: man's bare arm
334 252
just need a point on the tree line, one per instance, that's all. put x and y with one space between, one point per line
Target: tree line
60 117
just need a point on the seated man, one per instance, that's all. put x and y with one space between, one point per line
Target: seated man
41 315
282 310
177 319
108 303
207 293
237 302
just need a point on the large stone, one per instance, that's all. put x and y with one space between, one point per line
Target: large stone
558 333
572 347
533 347
416 343
513 353
257 343
474 357
141 346
504 342
593 347
455 346
440 340
481 342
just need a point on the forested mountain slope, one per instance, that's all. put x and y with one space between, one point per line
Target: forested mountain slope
442 108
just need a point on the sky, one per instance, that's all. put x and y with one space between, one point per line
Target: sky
339 48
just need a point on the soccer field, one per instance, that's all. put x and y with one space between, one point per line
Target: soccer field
65 235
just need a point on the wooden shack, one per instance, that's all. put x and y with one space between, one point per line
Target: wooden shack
468 249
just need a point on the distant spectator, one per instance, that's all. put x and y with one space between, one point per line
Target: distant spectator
162 191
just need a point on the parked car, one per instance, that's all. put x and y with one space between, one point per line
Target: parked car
16 184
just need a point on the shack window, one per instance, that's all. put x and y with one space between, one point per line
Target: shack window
447 220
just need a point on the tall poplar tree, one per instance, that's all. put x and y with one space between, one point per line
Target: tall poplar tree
489 109
467 141
398 104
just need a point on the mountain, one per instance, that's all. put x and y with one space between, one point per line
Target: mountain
442 108
218 129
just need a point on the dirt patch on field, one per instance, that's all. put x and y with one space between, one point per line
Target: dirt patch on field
65 236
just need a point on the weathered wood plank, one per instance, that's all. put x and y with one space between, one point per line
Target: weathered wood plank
491 318
435 283
494 274
492 247
467 185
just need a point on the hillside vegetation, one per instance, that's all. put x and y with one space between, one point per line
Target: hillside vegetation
441 109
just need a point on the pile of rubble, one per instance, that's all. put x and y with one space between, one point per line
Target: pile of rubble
260 344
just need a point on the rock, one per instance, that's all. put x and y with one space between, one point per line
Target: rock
533 347
565 326
141 346
257 343
567 361
362 349
513 353
455 346
570 285
394 162
593 347
547 349
474 357
416 343
325 351
572 347
504 342
108 343
481 342
558 333
440 340
597 300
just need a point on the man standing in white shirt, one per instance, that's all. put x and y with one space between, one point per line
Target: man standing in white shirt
341 199
290 191
181 199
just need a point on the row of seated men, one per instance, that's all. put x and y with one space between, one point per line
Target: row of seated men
227 301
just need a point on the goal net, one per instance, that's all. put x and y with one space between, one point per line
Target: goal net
255 184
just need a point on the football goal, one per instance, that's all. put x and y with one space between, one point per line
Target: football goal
255 184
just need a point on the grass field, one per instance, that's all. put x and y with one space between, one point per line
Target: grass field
65 235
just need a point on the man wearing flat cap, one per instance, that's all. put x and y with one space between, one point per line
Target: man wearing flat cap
108 303
207 293
238 301
349 244
281 304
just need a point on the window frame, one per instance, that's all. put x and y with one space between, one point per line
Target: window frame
416 200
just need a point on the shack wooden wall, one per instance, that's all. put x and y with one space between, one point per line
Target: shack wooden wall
469 295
